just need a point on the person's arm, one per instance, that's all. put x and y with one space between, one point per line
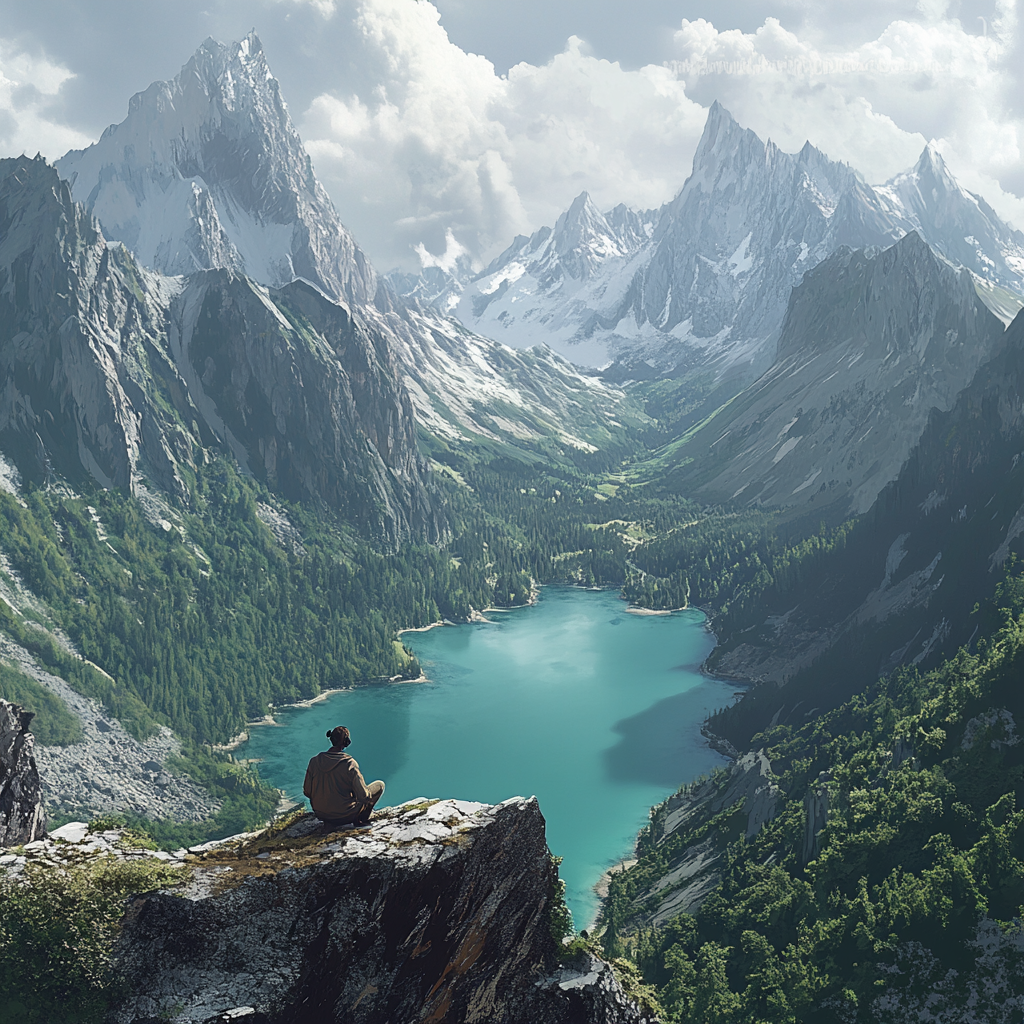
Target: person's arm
358 783
307 786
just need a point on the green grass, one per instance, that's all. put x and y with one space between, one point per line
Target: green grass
54 725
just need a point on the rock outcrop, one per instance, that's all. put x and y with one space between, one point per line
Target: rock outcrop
747 789
816 813
21 809
438 911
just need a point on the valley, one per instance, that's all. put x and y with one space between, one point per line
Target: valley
238 465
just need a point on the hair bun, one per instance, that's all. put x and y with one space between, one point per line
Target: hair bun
329 731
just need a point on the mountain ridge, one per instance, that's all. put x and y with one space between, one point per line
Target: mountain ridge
708 284
208 171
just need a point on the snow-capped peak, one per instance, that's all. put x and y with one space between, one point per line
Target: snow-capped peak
207 170
957 223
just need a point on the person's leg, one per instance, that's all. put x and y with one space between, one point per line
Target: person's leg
376 789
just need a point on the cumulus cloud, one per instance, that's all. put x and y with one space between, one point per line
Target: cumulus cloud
431 154
428 139
28 86
428 150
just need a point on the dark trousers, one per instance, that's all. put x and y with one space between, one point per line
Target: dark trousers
360 815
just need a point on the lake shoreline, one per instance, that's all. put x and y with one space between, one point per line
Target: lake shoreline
555 703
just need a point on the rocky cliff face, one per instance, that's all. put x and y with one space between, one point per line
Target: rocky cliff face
308 397
436 912
21 809
693 869
116 372
79 330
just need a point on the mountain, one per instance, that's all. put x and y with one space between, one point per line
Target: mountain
120 374
553 287
900 587
872 342
957 223
207 172
705 280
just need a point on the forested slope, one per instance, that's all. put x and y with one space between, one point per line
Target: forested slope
890 881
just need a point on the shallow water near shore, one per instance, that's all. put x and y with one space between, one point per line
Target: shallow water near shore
595 711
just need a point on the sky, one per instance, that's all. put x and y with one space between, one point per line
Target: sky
448 127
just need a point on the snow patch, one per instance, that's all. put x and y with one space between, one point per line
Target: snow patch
788 445
741 260
807 483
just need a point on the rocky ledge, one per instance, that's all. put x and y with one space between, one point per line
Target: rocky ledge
437 911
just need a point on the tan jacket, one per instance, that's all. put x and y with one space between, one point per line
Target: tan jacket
335 786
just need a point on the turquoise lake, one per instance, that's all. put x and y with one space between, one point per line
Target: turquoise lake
594 710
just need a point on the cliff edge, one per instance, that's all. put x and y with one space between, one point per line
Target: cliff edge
437 912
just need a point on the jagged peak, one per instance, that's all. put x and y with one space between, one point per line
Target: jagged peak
582 212
913 245
722 137
931 158
719 115
580 203
930 167
246 50
721 124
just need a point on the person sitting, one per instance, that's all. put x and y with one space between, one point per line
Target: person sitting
335 786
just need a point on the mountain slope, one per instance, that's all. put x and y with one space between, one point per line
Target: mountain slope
899 587
208 172
79 342
871 343
958 223
118 373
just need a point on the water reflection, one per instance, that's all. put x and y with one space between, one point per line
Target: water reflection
657 744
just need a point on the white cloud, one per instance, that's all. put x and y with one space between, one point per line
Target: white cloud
875 105
418 140
427 150
28 86
425 139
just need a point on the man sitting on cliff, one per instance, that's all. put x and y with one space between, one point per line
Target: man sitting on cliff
335 786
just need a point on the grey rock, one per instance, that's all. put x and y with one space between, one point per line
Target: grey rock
995 727
90 342
815 817
102 774
747 785
433 913
872 342
21 808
